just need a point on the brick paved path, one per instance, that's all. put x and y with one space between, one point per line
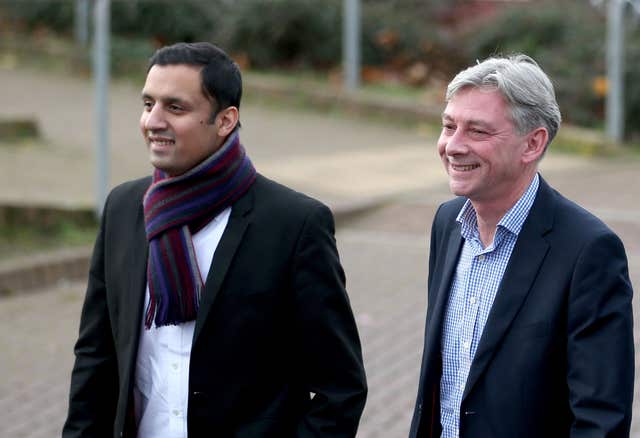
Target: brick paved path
36 332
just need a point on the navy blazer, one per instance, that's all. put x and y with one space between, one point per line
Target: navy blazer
274 326
556 358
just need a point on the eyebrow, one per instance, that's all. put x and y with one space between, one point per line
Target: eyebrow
166 100
473 122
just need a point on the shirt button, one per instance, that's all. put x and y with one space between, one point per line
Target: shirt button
174 366
465 345
472 300
176 412
481 257
461 386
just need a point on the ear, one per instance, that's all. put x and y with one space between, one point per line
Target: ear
227 120
536 145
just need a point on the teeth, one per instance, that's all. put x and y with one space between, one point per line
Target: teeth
162 142
464 168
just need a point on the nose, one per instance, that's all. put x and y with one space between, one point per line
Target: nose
153 119
455 144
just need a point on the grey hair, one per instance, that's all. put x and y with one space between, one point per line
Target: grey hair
526 88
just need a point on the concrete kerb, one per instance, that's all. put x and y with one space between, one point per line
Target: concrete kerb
345 211
25 274
35 272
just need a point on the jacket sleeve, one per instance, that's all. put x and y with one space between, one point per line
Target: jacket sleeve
331 365
600 352
94 379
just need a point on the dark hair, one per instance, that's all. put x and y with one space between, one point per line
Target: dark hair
220 75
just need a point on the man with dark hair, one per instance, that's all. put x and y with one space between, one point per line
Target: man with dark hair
529 329
216 303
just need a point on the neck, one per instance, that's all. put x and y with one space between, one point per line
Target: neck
490 212
487 230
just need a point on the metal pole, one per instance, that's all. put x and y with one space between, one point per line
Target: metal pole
101 18
82 22
351 44
614 105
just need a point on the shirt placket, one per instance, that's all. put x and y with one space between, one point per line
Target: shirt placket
470 315
450 399
176 390
465 335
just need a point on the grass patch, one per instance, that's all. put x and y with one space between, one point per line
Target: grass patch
306 81
18 130
590 143
332 80
25 231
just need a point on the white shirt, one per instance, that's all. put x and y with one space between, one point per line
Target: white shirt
161 386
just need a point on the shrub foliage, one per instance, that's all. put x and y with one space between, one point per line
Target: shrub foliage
568 39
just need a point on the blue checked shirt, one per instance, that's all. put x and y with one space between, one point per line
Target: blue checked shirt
474 287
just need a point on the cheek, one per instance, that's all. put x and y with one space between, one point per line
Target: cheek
442 147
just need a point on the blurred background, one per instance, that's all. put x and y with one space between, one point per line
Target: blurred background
341 103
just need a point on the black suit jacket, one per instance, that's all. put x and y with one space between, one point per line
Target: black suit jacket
556 355
275 325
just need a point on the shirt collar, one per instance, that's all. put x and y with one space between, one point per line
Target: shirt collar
512 220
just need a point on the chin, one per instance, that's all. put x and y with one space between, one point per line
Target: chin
458 191
158 164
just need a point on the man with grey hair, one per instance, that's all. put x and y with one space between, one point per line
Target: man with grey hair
529 329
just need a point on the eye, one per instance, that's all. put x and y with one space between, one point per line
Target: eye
479 133
174 108
448 128
147 105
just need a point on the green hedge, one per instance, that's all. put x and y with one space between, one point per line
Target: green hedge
415 35
56 15
164 20
271 33
283 32
568 39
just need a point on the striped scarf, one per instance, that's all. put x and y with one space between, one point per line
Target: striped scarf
174 209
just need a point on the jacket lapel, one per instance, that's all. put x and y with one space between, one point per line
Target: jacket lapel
524 264
223 255
134 295
138 252
443 283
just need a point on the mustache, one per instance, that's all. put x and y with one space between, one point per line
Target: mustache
165 135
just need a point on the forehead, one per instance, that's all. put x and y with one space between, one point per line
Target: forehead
175 81
478 104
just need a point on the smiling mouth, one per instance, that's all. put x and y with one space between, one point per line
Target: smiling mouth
161 142
463 167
